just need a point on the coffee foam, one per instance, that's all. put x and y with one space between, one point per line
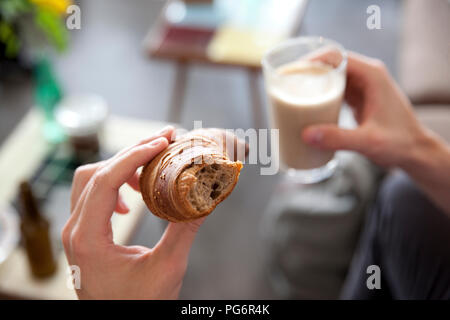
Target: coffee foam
306 84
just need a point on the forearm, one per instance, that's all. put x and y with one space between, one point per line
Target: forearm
428 164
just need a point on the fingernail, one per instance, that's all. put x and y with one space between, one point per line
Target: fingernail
314 135
158 141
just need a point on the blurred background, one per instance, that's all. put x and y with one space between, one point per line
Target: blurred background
148 62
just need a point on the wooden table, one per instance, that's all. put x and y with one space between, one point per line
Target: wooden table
183 57
24 150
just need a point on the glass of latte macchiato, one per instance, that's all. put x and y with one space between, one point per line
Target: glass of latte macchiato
305 82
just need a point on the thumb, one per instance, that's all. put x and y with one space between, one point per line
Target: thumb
331 137
178 238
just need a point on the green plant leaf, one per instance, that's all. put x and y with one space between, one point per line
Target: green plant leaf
53 26
12 9
10 39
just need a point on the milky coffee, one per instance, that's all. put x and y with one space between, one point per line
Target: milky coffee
303 93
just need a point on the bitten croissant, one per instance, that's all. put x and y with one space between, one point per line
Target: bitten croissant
192 175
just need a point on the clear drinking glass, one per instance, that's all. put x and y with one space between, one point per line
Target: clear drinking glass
305 81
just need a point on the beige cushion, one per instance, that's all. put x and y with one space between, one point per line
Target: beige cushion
424 59
437 118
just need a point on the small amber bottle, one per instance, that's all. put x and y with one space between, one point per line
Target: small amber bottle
35 234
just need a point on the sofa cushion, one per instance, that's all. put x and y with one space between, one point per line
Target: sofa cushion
437 118
424 56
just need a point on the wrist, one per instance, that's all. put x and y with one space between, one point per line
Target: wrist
429 166
425 152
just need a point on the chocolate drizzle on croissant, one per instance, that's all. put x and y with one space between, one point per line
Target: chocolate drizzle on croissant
192 176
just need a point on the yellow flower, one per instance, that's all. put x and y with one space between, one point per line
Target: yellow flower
59 6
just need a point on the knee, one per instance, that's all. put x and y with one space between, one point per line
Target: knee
398 195
406 211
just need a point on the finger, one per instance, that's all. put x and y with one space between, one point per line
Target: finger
124 167
330 55
81 177
360 68
331 137
133 182
80 183
104 185
357 64
363 83
178 238
167 132
355 91
121 206
359 71
363 71
84 173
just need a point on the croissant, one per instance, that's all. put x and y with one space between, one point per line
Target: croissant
192 175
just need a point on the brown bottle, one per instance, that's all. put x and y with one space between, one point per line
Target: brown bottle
35 234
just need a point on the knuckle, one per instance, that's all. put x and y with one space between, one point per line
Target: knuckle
65 235
85 171
100 177
145 140
374 138
78 245
135 151
80 172
376 142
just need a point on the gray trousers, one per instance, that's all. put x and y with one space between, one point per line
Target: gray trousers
408 238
